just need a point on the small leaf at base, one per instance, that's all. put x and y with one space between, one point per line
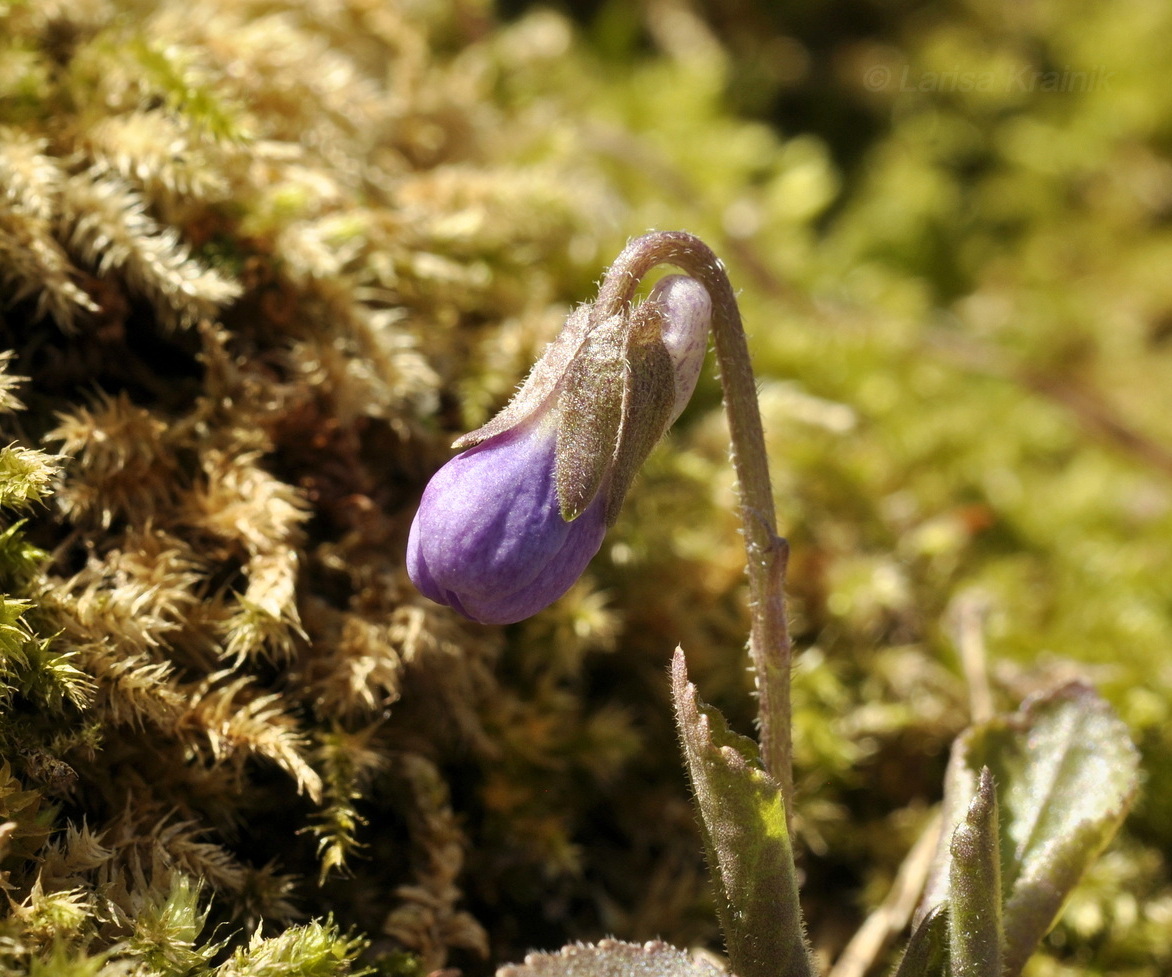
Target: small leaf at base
1067 772
742 818
612 958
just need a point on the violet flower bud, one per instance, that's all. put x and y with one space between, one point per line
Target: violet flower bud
506 527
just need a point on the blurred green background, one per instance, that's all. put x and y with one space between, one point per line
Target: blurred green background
951 225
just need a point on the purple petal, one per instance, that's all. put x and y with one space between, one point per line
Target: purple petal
489 540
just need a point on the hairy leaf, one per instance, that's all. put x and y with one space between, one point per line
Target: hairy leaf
926 954
612 958
1066 772
742 818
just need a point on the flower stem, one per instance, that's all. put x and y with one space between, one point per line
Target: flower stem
769 642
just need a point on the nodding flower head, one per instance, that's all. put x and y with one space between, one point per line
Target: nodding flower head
507 526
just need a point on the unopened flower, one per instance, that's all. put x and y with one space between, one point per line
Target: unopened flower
507 526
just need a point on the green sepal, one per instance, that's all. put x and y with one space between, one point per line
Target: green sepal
742 820
648 397
589 416
540 385
974 887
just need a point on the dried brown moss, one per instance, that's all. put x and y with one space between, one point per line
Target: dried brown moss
237 244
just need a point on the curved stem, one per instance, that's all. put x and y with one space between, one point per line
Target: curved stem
769 642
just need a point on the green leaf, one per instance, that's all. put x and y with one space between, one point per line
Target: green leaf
974 887
1067 772
611 958
926 954
742 818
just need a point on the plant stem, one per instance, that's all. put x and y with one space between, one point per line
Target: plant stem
766 552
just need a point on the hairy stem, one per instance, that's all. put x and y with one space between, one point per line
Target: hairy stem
769 643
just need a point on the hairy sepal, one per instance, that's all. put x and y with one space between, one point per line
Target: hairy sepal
974 887
590 414
540 385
